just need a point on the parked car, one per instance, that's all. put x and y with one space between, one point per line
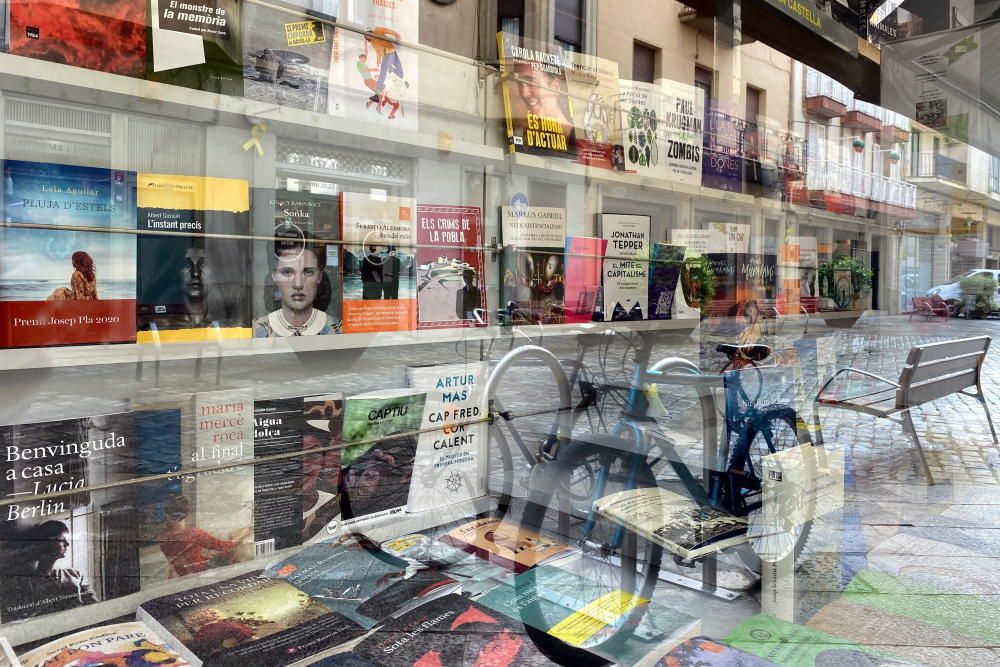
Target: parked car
951 291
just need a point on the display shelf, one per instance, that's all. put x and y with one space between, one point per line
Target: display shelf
132 353
66 83
69 621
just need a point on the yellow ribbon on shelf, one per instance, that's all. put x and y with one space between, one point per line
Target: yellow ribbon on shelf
257 133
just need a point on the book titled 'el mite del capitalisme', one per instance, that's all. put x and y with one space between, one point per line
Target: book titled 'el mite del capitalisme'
62 552
192 262
67 256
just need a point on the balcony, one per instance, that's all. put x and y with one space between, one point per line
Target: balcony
895 128
824 96
864 117
940 173
843 189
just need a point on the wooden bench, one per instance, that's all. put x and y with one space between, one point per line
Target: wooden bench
931 372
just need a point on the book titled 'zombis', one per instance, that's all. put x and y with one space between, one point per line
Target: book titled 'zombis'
246 620
67 258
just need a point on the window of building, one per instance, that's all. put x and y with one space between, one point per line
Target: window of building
643 62
568 24
995 174
753 112
510 17
703 80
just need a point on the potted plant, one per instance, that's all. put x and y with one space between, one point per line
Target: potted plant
698 282
980 290
847 280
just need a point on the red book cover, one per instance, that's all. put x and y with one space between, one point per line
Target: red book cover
451 284
584 262
104 35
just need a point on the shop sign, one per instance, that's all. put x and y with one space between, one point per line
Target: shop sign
807 14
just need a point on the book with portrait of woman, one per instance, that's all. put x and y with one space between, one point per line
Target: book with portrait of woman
77 547
67 255
192 261
536 97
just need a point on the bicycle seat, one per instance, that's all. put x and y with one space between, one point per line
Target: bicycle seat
755 352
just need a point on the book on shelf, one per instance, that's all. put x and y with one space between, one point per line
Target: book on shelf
451 282
108 36
584 269
620 626
451 631
191 270
250 619
359 580
379 268
706 652
202 517
675 522
532 267
295 497
593 88
474 574
506 544
68 255
374 76
197 46
128 644
450 462
7 657
376 472
664 273
67 551
538 109
300 291
626 266
287 51
790 644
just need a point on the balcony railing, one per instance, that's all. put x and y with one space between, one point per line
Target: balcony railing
936 165
839 178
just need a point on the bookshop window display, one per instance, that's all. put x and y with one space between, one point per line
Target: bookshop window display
324 344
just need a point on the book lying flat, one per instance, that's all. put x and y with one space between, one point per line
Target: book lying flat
505 544
7 657
705 652
675 522
118 644
451 631
247 620
474 574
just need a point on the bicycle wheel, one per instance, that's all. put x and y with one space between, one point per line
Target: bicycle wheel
778 529
613 558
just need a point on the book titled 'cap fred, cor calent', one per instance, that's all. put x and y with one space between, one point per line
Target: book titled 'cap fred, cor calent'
247 620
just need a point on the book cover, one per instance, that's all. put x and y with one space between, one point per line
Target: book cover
379 269
790 644
533 266
639 130
203 517
376 472
286 55
584 270
450 463
196 45
67 286
451 283
295 498
359 580
451 631
118 644
536 102
302 282
505 544
675 522
664 272
191 272
706 652
593 91
722 160
109 36
67 551
348 659
626 266
474 574
246 620
587 614
374 77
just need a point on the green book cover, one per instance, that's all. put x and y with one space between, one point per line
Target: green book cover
376 473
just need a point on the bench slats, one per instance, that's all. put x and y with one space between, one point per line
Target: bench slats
936 369
950 348
934 389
